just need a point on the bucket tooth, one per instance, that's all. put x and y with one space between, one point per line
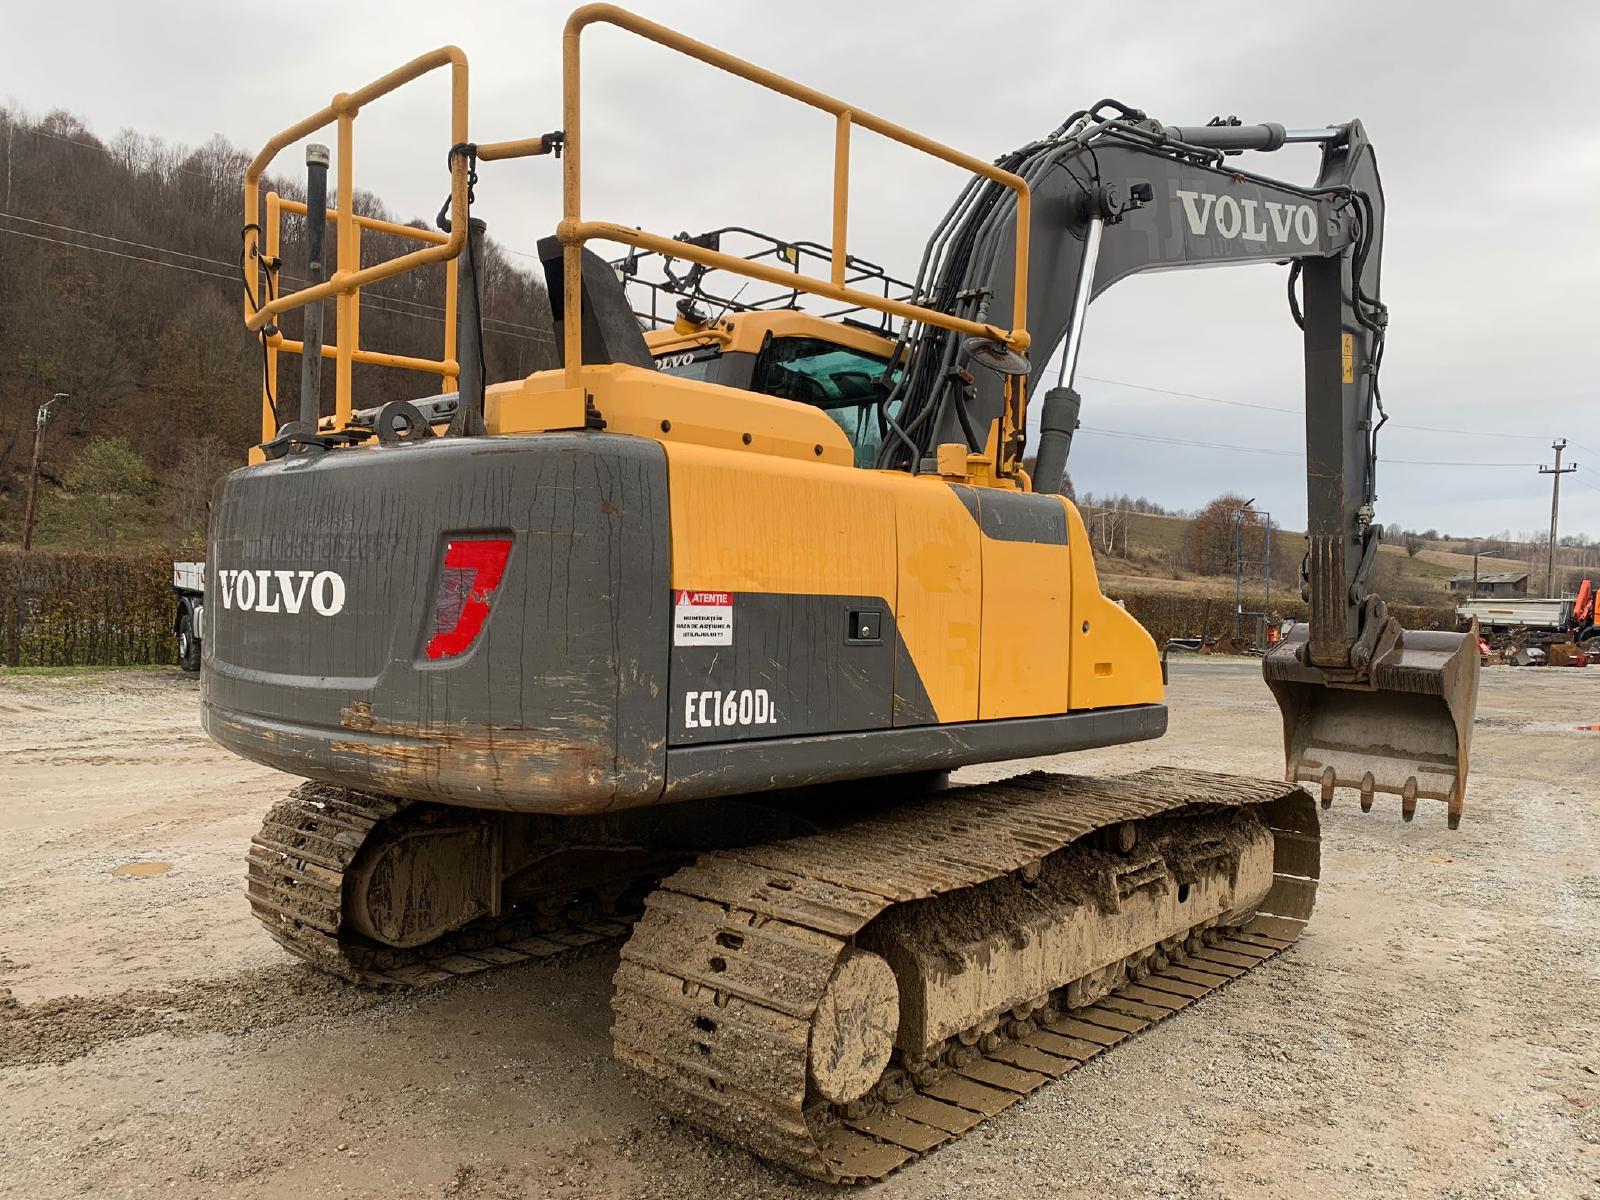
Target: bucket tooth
1404 729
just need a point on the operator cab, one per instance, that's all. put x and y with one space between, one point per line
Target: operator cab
833 361
839 368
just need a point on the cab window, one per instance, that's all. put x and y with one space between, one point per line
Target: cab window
848 385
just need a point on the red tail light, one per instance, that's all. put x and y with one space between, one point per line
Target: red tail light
472 571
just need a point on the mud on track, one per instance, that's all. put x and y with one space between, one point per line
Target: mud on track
1435 1032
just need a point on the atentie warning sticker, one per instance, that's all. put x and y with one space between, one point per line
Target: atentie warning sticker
702 619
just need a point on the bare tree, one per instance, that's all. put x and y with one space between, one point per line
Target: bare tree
1208 542
186 492
133 307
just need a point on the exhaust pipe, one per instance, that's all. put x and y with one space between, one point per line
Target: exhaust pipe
311 337
468 419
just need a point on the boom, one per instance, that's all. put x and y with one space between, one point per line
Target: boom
1120 195
1116 194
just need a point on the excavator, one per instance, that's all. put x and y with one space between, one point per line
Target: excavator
675 645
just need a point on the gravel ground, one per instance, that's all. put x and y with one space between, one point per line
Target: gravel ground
1432 1034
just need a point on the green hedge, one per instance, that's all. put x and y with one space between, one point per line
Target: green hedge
71 609
1170 614
65 608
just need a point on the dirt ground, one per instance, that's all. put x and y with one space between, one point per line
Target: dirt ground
1433 1034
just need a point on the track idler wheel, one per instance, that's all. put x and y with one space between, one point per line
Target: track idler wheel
424 877
854 1028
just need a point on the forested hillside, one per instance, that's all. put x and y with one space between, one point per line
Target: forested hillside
120 284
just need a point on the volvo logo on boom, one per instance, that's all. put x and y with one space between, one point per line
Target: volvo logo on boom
282 591
1248 220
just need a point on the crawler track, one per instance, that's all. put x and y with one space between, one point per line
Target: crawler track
719 982
295 883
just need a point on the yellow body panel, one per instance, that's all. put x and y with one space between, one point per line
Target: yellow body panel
1027 616
996 629
743 523
1113 659
939 608
641 402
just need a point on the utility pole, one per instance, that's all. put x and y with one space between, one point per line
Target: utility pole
1556 472
1479 552
39 419
1238 567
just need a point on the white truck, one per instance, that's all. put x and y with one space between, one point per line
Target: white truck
189 593
1518 612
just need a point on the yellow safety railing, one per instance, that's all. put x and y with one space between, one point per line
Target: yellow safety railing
574 230
446 368
262 307
349 277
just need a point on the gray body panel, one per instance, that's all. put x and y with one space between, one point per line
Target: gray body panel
796 652
1015 516
557 706
572 698
696 772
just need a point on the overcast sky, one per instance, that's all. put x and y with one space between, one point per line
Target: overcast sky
1485 117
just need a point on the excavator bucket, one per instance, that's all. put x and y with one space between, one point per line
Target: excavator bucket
1406 729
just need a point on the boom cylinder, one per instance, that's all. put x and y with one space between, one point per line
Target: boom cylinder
1266 136
1058 418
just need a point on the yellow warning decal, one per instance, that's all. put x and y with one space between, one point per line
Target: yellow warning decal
1348 352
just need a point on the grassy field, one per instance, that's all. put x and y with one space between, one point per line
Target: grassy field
1152 556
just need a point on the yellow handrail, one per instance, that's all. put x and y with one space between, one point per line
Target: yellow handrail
574 230
446 368
349 277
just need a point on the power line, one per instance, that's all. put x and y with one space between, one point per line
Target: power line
233 279
1149 437
221 262
39 237
547 339
1441 462
1115 433
540 336
1172 441
152 161
373 301
1145 387
106 150
1296 412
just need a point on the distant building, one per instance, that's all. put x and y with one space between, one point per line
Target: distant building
1501 583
